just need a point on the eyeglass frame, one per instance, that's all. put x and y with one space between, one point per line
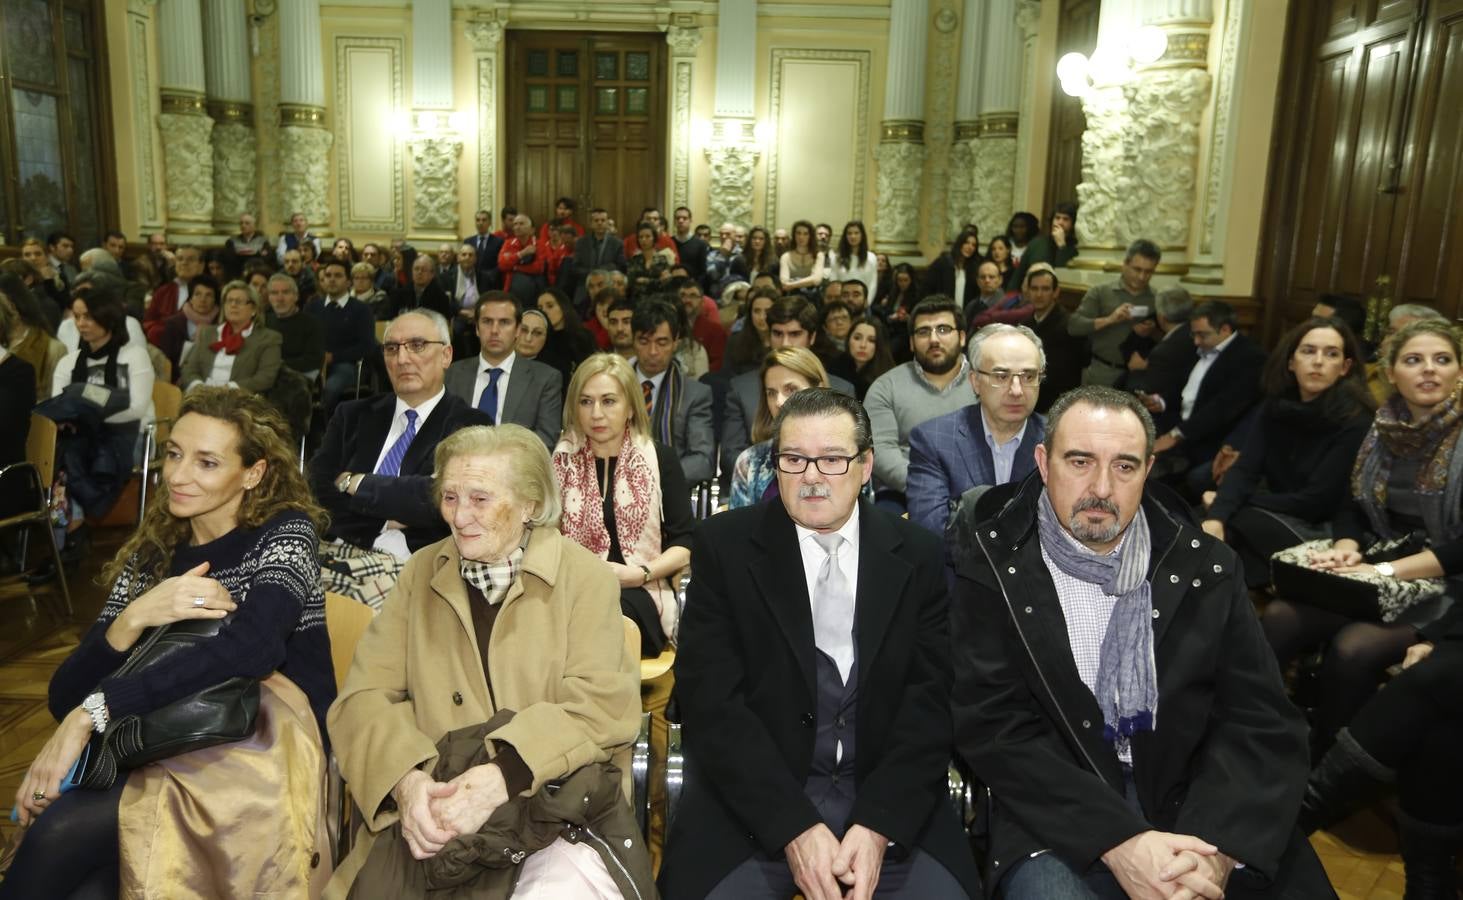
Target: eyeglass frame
391 349
1000 379
929 331
817 462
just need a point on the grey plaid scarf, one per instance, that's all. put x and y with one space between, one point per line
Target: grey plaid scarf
494 579
1127 681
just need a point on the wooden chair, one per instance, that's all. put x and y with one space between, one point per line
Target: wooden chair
345 621
167 400
35 476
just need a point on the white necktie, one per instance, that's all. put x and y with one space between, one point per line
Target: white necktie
833 607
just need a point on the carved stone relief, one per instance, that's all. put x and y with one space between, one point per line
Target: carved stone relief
1219 131
188 166
900 165
486 38
434 181
1139 158
235 161
995 171
304 166
961 191
142 107
681 132
730 195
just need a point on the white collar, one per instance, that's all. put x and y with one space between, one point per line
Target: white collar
424 410
1219 348
340 301
849 531
653 379
506 365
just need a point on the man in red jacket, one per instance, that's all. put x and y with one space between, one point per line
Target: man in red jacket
663 241
520 262
704 320
563 215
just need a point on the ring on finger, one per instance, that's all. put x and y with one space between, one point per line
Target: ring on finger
199 601
38 796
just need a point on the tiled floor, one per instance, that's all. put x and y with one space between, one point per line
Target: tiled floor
1361 856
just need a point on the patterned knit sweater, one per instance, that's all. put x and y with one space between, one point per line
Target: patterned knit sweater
273 575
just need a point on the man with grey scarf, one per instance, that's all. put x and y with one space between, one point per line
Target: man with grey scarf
1113 690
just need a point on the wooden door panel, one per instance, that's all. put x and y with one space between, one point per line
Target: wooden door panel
1322 186
1427 273
1367 214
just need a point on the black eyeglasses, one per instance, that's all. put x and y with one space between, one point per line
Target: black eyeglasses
924 331
1001 377
797 464
415 346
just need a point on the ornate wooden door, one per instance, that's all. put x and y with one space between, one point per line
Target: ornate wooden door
586 119
1370 167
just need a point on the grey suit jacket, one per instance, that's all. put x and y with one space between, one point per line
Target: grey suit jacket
535 394
692 433
255 367
741 412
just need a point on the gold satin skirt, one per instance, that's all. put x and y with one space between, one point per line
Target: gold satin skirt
241 820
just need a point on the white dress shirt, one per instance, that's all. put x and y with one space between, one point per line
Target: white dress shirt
655 382
813 554
1196 376
393 540
223 364
481 384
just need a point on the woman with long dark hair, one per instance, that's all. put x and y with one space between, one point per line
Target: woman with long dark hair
757 257
801 268
569 343
999 252
748 345
854 259
1296 457
952 273
869 347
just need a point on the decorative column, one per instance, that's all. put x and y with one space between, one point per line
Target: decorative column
1000 96
304 142
486 37
185 127
901 151
733 152
139 26
235 147
684 40
967 111
1141 147
433 144
1028 20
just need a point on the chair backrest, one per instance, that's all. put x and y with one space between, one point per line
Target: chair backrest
625 759
167 399
40 448
346 619
381 331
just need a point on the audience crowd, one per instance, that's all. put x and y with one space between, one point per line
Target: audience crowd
487 442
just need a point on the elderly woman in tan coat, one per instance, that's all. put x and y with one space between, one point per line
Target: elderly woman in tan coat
510 629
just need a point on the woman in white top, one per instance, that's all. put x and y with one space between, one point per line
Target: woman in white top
854 259
242 353
801 266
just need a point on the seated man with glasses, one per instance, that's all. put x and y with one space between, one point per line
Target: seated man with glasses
928 386
956 457
373 473
813 677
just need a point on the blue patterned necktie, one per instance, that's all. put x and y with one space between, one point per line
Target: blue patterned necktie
488 402
391 465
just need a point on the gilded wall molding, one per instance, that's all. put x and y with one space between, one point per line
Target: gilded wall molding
301 115
1220 150
142 115
940 119
346 215
181 103
902 131
231 111
864 59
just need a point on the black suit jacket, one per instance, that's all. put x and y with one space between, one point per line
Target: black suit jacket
353 441
487 246
404 299
1227 761
940 279
1169 364
745 686
1229 389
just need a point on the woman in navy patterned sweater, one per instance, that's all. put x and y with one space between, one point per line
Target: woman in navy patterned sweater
235 536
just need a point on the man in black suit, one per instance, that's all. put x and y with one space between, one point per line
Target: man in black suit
598 249
812 679
373 472
424 292
1112 687
1168 364
1222 386
679 407
692 249
791 322
523 391
486 244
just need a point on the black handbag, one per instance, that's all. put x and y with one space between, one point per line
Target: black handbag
218 714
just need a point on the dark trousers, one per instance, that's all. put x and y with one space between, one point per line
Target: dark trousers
70 851
916 877
1354 656
1415 727
1256 535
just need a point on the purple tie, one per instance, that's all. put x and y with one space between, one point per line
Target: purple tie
391 465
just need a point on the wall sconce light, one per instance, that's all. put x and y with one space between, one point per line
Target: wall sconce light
1077 73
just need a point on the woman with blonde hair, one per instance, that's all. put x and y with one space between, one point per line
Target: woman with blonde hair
440 726
243 353
625 497
233 539
785 371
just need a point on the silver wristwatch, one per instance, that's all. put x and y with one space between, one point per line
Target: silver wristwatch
344 482
1386 570
96 705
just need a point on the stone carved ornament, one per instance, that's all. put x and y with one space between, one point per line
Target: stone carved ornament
1139 158
485 37
304 164
188 164
900 165
730 197
995 172
434 181
683 41
235 161
961 191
